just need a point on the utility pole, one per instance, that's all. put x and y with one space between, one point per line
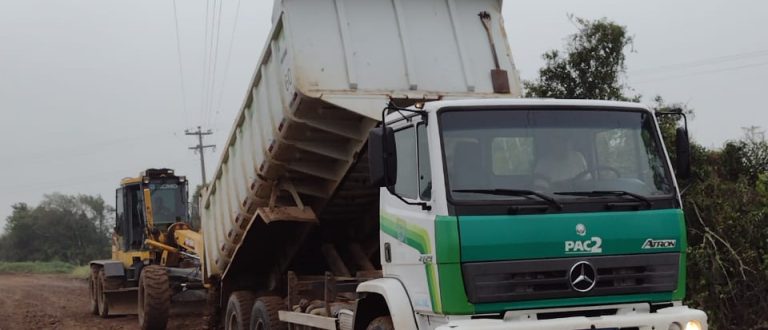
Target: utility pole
200 147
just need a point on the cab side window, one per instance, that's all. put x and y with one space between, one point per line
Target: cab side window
406 185
120 217
414 177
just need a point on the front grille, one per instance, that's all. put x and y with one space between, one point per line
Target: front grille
487 282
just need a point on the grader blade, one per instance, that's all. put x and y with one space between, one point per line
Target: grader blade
122 301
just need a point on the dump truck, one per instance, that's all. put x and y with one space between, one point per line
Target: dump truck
155 252
383 173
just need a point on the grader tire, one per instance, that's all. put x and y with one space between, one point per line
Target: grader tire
101 285
154 298
381 323
94 294
238 315
264 315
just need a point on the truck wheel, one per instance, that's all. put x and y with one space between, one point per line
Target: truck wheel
381 323
154 298
238 315
264 315
93 292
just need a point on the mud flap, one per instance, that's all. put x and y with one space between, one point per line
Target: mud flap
122 301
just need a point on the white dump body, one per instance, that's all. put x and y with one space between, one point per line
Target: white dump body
327 70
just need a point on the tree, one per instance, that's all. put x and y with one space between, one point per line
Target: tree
754 153
67 228
727 215
591 66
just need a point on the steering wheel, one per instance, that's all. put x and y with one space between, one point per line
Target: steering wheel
583 175
172 230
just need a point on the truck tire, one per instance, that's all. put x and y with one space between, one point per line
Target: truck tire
381 323
94 294
154 298
238 315
264 314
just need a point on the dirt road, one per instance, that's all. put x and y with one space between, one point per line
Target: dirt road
58 302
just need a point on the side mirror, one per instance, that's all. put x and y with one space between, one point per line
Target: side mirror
683 147
382 157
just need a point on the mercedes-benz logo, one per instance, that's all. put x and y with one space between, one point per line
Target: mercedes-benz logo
581 229
582 276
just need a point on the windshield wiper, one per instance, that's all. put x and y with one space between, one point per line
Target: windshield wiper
515 192
602 193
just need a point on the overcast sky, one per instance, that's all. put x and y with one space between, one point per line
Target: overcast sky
90 89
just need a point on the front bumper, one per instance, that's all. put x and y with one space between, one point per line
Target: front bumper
660 320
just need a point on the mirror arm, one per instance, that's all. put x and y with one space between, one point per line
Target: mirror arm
392 107
675 112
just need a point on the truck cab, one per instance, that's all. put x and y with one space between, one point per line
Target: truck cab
518 213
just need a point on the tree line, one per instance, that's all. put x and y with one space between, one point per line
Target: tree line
69 228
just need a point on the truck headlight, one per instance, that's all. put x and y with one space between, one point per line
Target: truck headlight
693 325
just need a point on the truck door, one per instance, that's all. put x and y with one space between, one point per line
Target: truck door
407 230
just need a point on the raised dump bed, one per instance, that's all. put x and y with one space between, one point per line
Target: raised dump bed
328 69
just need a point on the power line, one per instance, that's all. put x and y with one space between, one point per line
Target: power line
704 72
229 55
208 47
181 67
200 148
699 63
211 96
210 62
204 80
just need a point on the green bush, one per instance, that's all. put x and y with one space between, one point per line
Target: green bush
81 272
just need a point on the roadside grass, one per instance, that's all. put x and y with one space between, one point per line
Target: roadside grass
36 267
47 267
82 272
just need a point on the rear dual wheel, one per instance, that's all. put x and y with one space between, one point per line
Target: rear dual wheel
246 312
265 314
238 315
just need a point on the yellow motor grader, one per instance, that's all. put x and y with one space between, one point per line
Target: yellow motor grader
156 255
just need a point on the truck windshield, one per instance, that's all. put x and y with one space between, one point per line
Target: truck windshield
168 205
555 152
